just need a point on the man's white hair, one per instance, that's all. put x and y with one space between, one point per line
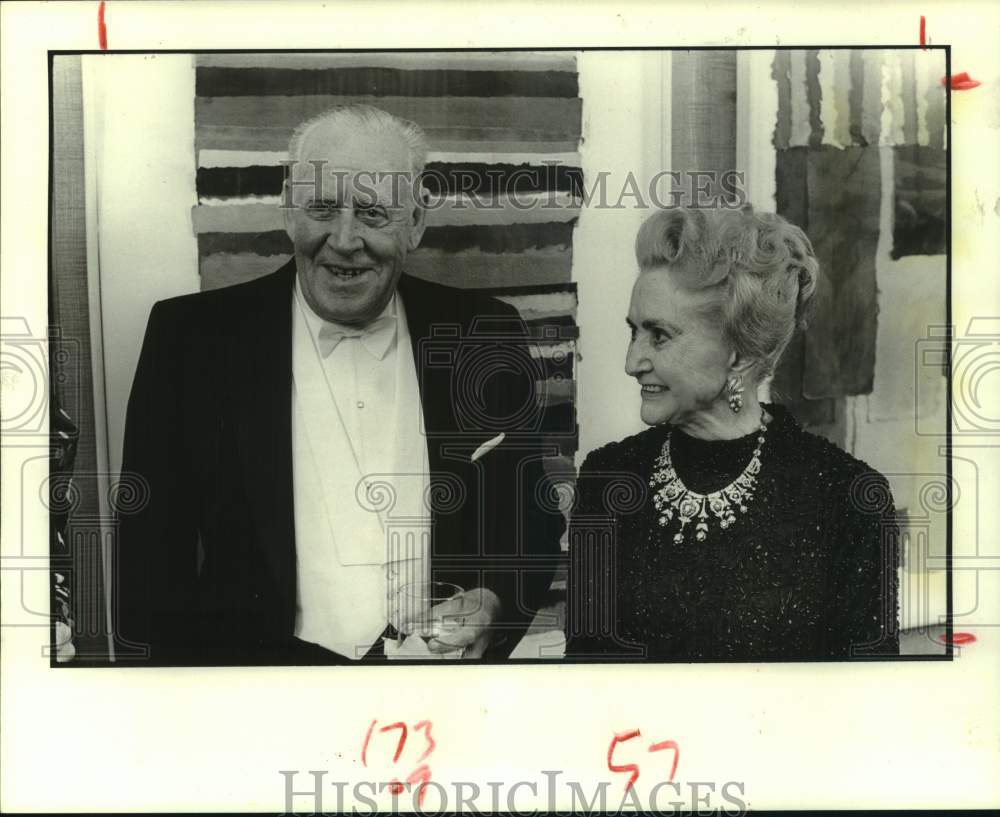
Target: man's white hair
373 120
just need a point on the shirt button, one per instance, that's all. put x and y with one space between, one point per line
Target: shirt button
361 404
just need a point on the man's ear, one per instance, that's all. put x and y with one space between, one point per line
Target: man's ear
419 223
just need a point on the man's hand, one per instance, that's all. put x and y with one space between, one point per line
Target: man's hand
465 622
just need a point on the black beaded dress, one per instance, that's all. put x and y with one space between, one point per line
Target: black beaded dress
807 572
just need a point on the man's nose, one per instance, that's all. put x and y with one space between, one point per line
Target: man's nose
343 236
636 359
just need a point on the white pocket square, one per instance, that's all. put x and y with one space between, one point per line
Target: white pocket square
487 446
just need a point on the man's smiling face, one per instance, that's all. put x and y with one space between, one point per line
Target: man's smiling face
351 233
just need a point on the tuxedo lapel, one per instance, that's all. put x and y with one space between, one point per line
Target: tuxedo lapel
434 330
261 391
436 326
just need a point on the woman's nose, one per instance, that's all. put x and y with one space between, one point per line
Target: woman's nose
636 360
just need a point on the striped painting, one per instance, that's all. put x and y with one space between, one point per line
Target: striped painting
859 97
837 109
843 98
503 128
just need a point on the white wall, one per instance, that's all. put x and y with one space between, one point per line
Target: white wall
889 428
625 129
139 112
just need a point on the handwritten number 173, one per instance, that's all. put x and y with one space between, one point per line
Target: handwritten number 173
421 775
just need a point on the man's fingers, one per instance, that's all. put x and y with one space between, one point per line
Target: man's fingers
459 624
457 641
460 633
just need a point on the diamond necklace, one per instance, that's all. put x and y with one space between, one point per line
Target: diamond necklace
674 497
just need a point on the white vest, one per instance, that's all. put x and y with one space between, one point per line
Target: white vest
354 545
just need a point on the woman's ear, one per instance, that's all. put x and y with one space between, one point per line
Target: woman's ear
739 364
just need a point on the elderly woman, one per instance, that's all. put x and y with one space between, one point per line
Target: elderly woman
725 531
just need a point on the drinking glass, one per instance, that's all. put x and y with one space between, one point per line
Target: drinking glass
415 615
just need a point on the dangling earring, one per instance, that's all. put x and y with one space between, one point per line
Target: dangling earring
735 386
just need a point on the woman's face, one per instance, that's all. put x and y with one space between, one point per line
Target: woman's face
679 357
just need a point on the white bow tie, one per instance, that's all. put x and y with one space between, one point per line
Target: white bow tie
376 337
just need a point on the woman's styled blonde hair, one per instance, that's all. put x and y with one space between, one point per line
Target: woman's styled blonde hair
758 271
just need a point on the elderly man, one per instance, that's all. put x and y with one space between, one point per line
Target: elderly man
323 442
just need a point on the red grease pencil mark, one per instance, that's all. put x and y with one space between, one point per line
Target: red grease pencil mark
959 639
102 29
364 747
621 737
669 744
960 82
402 737
422 776
923 31
431 743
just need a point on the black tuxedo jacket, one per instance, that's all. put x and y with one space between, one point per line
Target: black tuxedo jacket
205 557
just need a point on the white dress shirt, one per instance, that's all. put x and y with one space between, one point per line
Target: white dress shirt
356 422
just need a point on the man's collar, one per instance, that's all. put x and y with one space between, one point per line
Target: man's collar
316 322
